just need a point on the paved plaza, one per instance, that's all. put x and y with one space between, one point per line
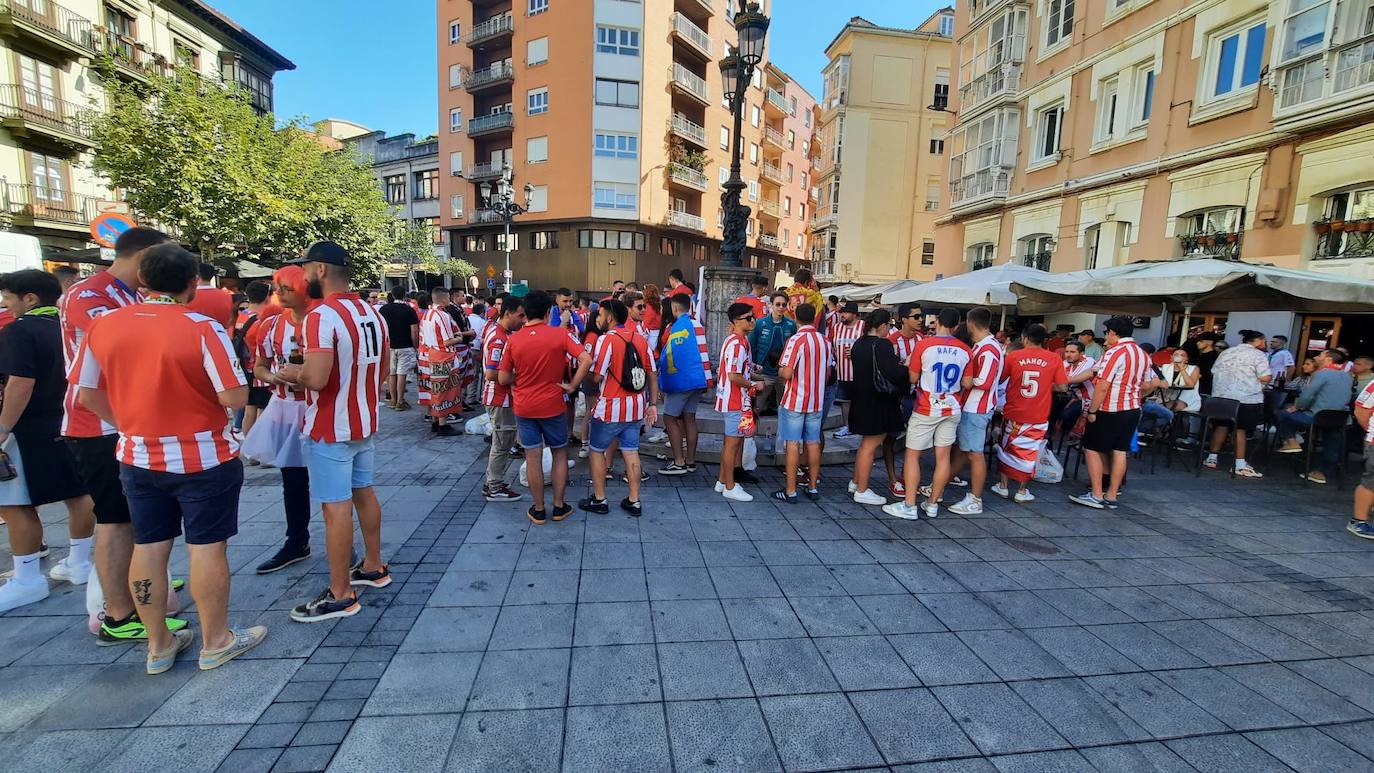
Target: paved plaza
1210 624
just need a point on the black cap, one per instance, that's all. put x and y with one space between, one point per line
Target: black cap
850 307
323 252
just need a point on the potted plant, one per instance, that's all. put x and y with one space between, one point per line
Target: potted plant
1337 225
1208 240
1232 238
1365 226
1322 227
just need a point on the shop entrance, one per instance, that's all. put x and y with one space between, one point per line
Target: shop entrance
1355 332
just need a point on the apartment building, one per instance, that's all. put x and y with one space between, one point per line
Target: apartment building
613 112
879 151
1094 134
50 80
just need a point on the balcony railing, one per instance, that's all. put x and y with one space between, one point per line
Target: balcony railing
491 29
488 76
1222 246
769 241
1003 80
1340 69
1344 239
484 215
770 208
486 170
691 82
771 172
776 99
686 220
981 263
1040 260
774 136
684 128
490 123
824 219
691 33
24 109
688 176
56 25
38 205
128 57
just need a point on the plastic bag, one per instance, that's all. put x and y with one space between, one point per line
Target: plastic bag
547 465
750 455
478 425
1047 467
95 601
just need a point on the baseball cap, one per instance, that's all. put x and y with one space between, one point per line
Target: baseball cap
323 252
850 307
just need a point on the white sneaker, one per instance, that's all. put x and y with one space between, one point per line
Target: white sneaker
19 594
931 509
738 494
853 488
867 497
958 481
841 432
583 452
969 505
65 571
720 487
900 509
657 437
1024 495
1000 490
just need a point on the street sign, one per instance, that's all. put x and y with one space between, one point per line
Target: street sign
106 228
107 254
118 207
507 273
491 284
491 270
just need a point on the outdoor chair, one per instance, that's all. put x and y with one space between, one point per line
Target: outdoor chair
1215 412
1327 427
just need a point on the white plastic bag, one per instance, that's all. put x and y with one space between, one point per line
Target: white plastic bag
1047 467
750 455
95 601
478 425
547 465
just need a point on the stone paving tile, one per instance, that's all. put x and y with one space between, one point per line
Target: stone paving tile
1219 753
424 683
507 740
996 720
624 737
521 679
720 735
818 732
378 743
698 670
891 716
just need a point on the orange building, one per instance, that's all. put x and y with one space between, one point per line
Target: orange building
613 113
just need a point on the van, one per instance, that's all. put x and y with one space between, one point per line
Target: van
18 251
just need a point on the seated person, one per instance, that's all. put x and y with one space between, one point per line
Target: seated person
1328 390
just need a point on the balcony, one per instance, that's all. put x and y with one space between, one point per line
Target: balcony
1221 245
991 183
775 138
1340 76
58 31
498 74
129 57
686 220
769 241
1338 239
29 113
980 172
771 173
484 215
684 128
684 175
769 208
777 100
1040 260
825 219
691 84
689 33
979 264
1001 82
699 5
491 124
34 206
495 29
824 268
486 170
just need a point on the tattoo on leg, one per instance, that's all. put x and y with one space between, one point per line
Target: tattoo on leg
143 591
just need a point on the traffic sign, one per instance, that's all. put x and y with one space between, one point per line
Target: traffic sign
491 270
508 273
121 207
491 284
106 228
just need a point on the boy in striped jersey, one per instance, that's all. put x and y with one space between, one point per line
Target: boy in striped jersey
619 410
803 366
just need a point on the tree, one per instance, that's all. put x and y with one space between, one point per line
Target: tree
196 158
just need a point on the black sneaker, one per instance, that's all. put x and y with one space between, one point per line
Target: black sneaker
285 557
691 467
593 505
561 511
378 579
813 494
673 468
633 508
326 607
643 476
445 430
782 496
537 517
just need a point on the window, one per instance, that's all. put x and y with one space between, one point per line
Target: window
536 150
455 163
455 32
427 184
806 118
927 253
537 101
186 55
1049 124
791 139
754 153
475 243
980 255
946 25
1037 251
499 242
801 211
621 196
941 99
1092 240
789 172
455 76
395 185
754 116
787 205
932 194
538 6
455 120
669 246
937 147
436 236
537 51
617 40
1144 95
544 240
1304 28
455 205
724 175
753 190
1235 59
724 138
1058 21
49 175
615 145
539 198
804 181
1107 93
613 93
611 240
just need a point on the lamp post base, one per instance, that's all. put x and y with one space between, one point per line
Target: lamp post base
723 284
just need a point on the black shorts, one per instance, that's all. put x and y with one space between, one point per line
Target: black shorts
1111 431
1249 416
95 462
49 469
206 502
258 396
844 391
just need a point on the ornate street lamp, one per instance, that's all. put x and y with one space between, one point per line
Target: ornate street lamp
500 199
736 73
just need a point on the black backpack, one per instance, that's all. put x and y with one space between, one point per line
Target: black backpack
633 377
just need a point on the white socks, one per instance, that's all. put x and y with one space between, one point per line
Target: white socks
80 552
26 570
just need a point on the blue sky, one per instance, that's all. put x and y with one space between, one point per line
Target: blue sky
374 62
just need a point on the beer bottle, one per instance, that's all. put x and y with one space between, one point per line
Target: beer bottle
7 471
295 357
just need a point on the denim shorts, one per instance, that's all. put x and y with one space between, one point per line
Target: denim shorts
799 427
844 391
732 419
605 432
973 431
205 503
535 433
337 469
676 404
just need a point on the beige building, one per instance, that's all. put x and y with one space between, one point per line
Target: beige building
1095 134
613 112
879 151
50 81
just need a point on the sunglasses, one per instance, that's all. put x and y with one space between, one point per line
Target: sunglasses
746 317
639 306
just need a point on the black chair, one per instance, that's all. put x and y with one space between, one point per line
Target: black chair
1327 427
1215 412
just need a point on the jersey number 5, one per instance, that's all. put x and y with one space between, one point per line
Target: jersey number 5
1030 384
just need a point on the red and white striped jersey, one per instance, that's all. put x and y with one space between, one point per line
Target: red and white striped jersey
1084 390
808 355
280 338
734 358
350 330
937 367
842 337
986 368
494 339
80 306
904 346
1365 399
162 368
616 403
436 327
1121 371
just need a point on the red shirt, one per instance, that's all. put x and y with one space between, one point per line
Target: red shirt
734 358
904 346
349 329
494 338
617 403
216 303
1122 369
162 368
1031 374
987 372
280 337
759 305
681 289
83 302
808 355
937 366
842 337
537 355
653 318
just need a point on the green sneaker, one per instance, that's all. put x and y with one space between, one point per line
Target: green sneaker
178 583
131 630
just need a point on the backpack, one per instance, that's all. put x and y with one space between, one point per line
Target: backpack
239 339
633 377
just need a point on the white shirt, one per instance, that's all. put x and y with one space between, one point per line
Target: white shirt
478 324
1280 361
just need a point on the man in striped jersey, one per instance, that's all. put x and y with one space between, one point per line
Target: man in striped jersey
980 384
497 400
803 366
1113 413
621 407
842 335
345 369
735 387
177 449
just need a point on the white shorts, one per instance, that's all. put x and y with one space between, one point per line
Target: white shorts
403 362
923 432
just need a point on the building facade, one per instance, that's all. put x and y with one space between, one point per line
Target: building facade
407 171
878 151
613 112
55 58
1095 134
